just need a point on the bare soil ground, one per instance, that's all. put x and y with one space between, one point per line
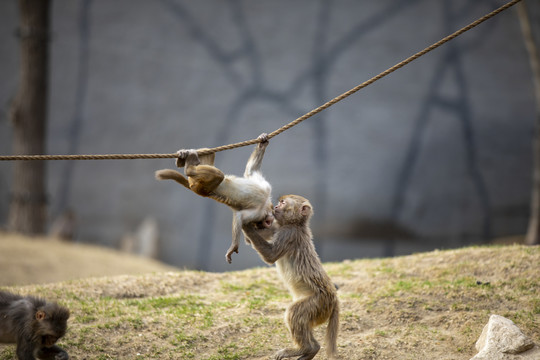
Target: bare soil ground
38 260
425 306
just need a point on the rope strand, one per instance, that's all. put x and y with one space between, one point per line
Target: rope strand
90 157
285 127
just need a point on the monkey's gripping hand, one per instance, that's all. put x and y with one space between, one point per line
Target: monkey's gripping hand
183 154
263 140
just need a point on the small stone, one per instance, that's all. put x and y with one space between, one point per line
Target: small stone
501 339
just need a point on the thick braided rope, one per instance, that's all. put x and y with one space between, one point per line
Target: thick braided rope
89 157
283 128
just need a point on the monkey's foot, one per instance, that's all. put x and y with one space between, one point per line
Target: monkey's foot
285 353
181 159
229 253
288 353
183 155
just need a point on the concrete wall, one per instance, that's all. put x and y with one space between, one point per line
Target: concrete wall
437 154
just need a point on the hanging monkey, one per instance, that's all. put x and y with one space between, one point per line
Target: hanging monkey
249 196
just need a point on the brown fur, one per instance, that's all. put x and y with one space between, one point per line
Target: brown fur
249 196
297 262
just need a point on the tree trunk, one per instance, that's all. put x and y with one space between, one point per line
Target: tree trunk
28 207
533 232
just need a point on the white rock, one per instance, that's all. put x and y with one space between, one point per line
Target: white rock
501 339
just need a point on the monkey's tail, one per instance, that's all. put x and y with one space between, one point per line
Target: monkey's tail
169 174
332 330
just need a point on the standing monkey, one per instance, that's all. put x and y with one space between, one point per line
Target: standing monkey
249 196
34 324
315 299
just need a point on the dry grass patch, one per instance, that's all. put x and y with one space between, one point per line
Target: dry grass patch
425 306
37 260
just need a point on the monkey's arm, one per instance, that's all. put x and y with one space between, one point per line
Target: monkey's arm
236 231
52 353
255 160
25 348
270 252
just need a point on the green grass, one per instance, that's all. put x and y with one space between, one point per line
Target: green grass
431 305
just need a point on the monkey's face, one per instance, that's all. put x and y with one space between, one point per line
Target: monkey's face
279 209
50 331
292 209
51 323
284 210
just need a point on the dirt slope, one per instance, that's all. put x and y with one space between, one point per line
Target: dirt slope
25 260
426 306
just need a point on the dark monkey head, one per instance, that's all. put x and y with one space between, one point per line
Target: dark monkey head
49 324
293 210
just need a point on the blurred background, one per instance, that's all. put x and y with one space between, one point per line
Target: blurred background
437 155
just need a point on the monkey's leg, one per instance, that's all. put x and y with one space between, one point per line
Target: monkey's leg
25 348
299 320
207 159
52 353
203 179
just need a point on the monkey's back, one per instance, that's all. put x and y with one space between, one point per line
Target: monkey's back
13 311
7 298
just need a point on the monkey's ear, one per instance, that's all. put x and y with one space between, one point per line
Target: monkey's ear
40 315
305 210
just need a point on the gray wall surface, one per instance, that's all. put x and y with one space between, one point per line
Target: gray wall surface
438 154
